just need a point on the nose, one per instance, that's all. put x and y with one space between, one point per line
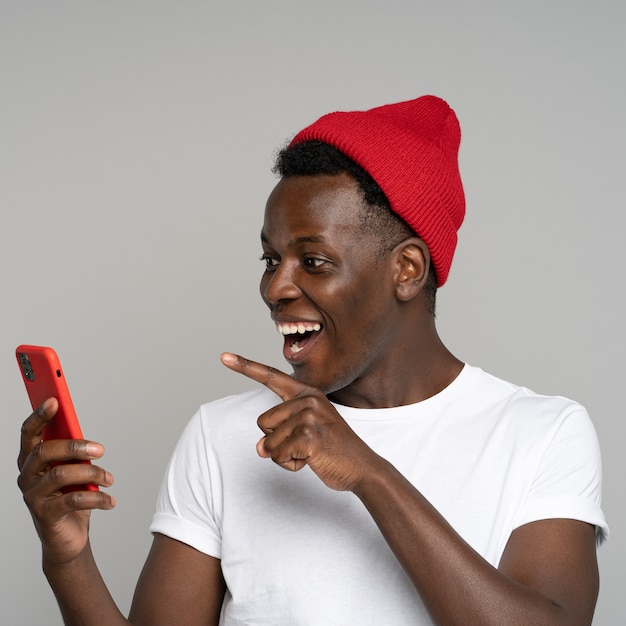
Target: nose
279 285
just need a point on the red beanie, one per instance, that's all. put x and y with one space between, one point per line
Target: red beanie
410 149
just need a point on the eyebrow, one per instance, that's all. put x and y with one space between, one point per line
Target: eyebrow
297 240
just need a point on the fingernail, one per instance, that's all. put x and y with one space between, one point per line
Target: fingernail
43 407
94 450
261 450
228 358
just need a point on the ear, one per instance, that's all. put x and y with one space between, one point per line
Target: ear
412 259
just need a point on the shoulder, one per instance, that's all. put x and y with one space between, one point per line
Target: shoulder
549 445
222 428
517 402
527 424
260 399
232 417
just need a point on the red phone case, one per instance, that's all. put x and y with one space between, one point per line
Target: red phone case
43 376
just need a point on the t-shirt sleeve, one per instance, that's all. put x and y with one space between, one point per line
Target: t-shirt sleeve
186 505
568 482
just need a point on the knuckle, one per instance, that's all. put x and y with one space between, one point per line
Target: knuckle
308 416
28 500
76 447
308 427
56 474
24 429
263 421
33 503
75 499
96 474
318 399
34 506
39 450
21 483
307 432
312 401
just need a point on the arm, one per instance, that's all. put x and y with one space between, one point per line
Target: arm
547 575
178 584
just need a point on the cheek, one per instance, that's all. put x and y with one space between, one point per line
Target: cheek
365 317
359 299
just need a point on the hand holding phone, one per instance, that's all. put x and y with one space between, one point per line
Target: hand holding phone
43 377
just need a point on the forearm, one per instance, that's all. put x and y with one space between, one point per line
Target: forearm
81 593
455 583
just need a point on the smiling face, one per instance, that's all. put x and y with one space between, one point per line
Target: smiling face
330 292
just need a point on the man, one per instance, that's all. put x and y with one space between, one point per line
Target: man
392 483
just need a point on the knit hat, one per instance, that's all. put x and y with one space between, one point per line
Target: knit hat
410 149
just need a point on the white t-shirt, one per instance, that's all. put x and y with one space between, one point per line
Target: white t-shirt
489 455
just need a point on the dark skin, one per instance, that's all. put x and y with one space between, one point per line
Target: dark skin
322 270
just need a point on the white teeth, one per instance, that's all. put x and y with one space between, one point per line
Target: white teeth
295 347
299 328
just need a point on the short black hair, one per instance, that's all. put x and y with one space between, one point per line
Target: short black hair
312 158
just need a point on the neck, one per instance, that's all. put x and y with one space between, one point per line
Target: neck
415 371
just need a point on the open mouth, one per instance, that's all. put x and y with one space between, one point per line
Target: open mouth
298 335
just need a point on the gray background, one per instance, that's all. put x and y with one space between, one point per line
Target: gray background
135 146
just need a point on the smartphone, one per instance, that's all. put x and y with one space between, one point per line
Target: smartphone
43 376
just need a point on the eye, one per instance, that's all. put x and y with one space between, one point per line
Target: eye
270 263
312 263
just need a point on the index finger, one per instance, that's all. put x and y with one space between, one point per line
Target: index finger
280 383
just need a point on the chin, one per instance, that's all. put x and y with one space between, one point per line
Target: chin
328 384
